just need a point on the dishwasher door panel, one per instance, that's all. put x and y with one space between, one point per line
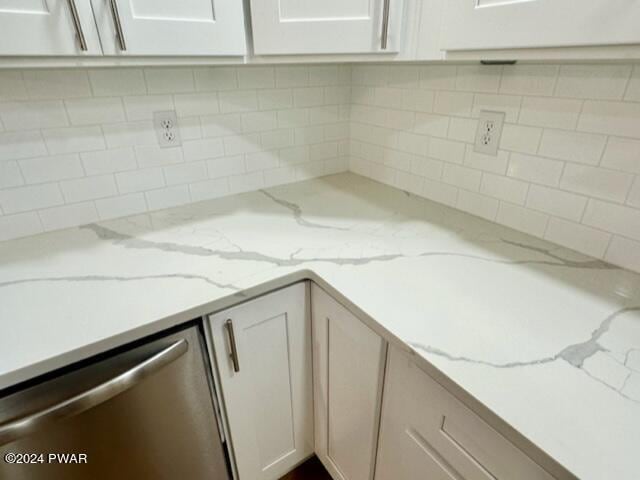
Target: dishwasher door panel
162 426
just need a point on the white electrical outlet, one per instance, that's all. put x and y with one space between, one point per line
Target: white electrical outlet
489 132
166 125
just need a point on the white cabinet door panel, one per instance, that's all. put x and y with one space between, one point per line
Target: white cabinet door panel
284 27
502 24
269 401
348 365
170 27
46 27
426 432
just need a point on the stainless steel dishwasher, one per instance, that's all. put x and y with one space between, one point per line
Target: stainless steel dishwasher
145 413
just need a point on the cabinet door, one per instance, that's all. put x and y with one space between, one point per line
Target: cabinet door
269 399
47 27
348 363
497 24
170 27
427 433
329 26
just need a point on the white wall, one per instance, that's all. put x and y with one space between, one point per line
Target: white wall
568 169
77 146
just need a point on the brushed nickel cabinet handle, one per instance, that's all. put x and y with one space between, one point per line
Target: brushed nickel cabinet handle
116 21
232 345
77 25
385 24
93 397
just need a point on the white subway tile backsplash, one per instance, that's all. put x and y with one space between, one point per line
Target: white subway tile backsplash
504 188
535 80
580 237
238 101
488 163
556 202
431 124
192 104
246 182
169 80
477 204
622 154
121 206
68 216
74 139
453 103
612 118
210 79
202 149
634 195
523 219
92 111
572 146
440 192
221 125
10 175
17 116
12 86
56 84
596 182
550 112
108 161
447 150
593 81
140 180
478 78
463 129
462 177
111 82
15 145
613 218
418 100
535 169
20 225
508 104
275 99
622 251
141 107
168 197
438 77
185 173
33 197
518 138
89 188
633 89
308 97
51 168
129 134
209 189
225 166
256 77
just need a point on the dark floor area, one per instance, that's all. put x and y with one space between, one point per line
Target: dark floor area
312 469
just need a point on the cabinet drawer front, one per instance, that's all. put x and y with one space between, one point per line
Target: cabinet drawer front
453 439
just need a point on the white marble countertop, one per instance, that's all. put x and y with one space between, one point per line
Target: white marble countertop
546 338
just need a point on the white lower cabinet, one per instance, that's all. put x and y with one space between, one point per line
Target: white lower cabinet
426 433
263 355
348 371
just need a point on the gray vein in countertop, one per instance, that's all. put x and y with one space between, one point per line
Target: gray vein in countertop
129 241
117 278
297 213
575 354
595 264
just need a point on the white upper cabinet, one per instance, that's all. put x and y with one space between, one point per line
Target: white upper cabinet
263 356
170 27
47 27
283 27
504 24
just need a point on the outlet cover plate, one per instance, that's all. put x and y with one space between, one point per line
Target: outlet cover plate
489 132
166 126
